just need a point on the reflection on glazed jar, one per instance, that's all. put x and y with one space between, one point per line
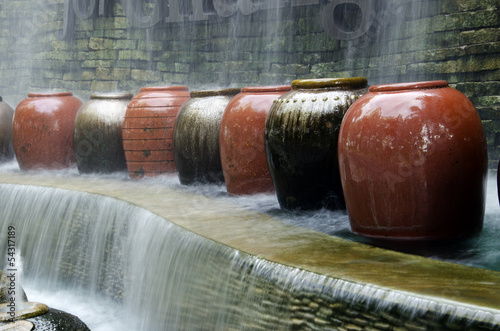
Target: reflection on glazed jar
421 150
242 148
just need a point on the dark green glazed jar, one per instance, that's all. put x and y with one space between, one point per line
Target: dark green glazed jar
301 137
6 146
98 133
196 136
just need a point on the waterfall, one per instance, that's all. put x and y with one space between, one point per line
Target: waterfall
160 276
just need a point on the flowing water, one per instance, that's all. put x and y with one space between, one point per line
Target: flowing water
120 267
87 251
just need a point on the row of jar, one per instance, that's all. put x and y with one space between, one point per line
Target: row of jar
409 160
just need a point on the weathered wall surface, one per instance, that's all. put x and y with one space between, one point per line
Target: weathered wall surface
220 43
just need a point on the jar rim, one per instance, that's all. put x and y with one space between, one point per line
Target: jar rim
336 83
49 94
163 88
111 95
266 89
409 86
210 93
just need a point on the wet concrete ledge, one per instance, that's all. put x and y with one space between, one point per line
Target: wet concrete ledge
475 291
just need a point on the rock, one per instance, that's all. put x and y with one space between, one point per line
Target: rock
4 288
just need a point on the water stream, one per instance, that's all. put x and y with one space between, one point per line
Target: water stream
84 251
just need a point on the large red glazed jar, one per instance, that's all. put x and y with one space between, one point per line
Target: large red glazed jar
301 136
42 130
148 128
6 147
413 163
241 140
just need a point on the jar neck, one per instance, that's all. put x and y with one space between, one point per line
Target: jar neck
163 88
409 86
49 94
330 83
111 95
212 93
266 89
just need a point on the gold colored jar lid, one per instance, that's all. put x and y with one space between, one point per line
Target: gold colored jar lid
335 83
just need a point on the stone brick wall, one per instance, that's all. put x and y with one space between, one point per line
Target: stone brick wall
403 40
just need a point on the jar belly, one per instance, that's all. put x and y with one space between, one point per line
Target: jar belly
42 130
301 142
98 133
196 136
243 155
413 164
148 128
303 155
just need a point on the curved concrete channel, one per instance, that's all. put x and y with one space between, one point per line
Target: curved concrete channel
467 297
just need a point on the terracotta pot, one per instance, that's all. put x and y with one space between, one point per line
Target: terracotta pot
413 162
98 133
196 136
148 128
301 141
6 146
242 147
42 130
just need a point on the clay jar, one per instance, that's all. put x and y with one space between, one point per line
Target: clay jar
196 136
42 130
148 130
242 148
413 162
98 133
6 147
301 141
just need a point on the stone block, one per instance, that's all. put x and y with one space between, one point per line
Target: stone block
113 73
492 48
145 75
176 79
104 86
88 75
181 67
489 100
96 64
61 55
97 55
100 43
468 5
438 54
480 36
148 45
134 55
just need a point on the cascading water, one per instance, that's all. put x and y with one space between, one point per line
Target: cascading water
156 273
